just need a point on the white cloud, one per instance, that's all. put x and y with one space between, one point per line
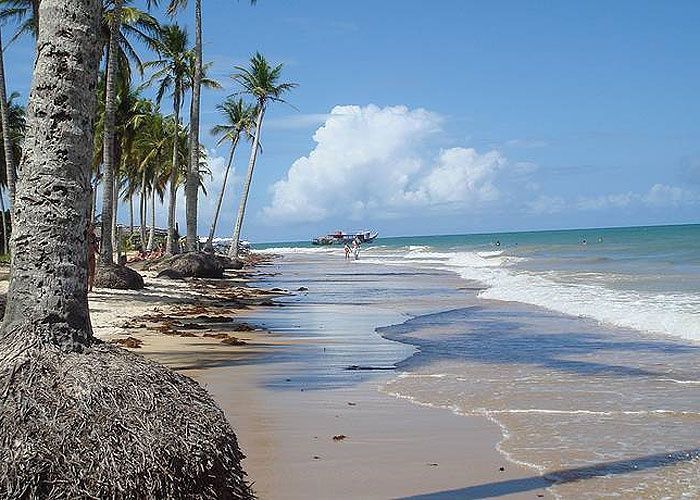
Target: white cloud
546 205
663 195
607 201
299 121
526 143
380 159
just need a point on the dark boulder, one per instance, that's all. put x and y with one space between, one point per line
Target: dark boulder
195 265
170 274
117 277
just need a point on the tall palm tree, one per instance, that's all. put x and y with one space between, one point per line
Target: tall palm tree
15 136
119 52
172 67
106 250
262 82
47 298
191 187
238 118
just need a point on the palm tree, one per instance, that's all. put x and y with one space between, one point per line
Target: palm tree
119 52
15 136
191 187
239 118
48 353
49 231
106 250
262 82
172 68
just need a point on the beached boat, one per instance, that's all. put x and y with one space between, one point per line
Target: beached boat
341 238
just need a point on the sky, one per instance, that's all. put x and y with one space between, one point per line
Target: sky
455 116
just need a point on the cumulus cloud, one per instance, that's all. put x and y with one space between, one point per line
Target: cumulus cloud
663 195
381 159
659 196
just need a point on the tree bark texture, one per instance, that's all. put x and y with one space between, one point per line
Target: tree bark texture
233 250
152 229
192 180
5 124
47 298
172 243
107 240
142 211
210 240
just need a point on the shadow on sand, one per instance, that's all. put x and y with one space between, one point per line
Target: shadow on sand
512 486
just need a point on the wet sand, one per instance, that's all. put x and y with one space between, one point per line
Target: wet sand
288 393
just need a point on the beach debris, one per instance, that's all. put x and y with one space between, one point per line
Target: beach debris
502 469
130 342
316 457
170 274
233 341
195 265
117 277
216 335
302 289
433 465
350 403
339 437
369 368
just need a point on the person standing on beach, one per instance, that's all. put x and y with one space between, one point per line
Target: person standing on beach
347 251
93 247
356 248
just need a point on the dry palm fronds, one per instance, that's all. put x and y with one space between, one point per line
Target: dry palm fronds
106 423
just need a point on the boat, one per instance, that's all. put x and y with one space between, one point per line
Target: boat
342 238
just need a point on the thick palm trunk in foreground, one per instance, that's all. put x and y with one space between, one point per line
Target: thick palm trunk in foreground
233 251
192 181
47 298
5 124
210 240
107 238
80 418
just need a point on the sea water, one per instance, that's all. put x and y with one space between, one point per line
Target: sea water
583 346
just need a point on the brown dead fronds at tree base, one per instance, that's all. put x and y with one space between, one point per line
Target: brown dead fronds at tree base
106 423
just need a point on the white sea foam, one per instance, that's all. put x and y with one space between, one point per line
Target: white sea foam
677 314
299 250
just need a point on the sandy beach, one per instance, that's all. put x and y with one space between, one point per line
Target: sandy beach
310 430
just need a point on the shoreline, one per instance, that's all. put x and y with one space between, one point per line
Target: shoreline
391 447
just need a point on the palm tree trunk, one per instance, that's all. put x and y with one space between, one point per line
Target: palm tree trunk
210 246
93 199
233 250
115 210
142 211
192 181
108 209
5 125
152 229
4 223
47 298
171 246
131 214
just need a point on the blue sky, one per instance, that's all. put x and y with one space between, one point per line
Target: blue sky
417 117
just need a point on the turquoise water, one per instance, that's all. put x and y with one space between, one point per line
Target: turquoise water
585 355
645 278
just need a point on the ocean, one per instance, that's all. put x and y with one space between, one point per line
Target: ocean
646 278
582 346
